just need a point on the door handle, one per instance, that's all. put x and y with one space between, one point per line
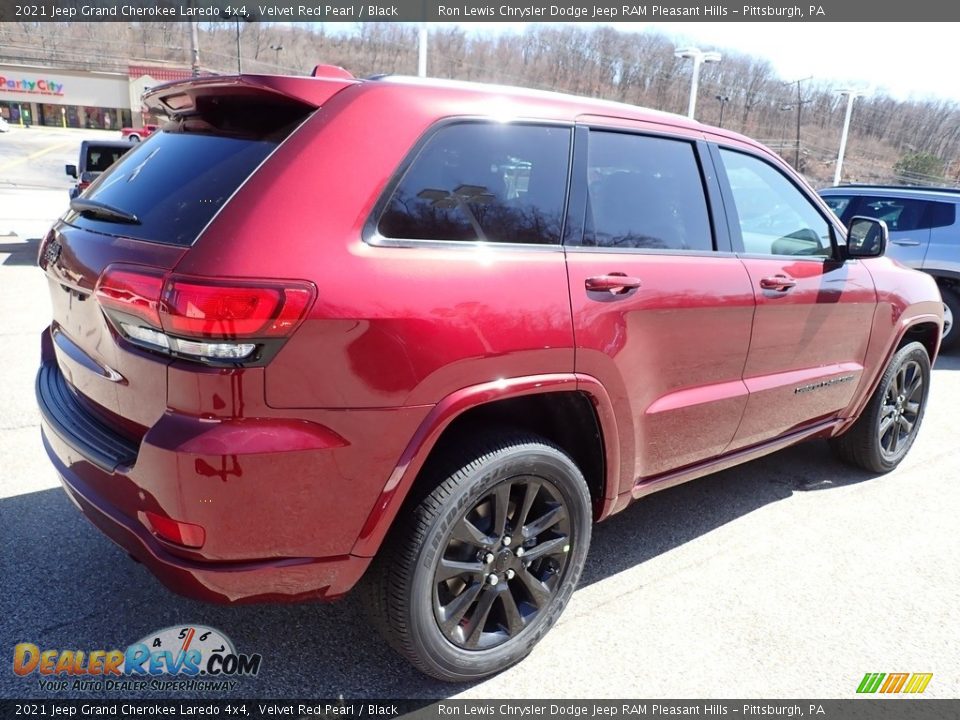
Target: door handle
614 283
906 242
780 283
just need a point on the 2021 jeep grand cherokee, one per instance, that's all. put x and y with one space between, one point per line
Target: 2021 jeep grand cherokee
428 332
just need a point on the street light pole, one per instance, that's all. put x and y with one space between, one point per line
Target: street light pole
851 96
422 52
699 57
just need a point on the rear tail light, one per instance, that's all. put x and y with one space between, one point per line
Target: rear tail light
201 318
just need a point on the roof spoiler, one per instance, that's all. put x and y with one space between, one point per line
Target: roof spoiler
180 96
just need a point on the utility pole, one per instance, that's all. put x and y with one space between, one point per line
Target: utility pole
277 48
194 50
724 99
851 96
800 103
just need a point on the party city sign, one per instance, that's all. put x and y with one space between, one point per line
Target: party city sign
32 87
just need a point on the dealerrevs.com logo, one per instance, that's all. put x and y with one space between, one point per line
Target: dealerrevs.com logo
186 657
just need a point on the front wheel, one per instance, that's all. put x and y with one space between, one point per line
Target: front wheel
951 311
134 138
483 566
885 431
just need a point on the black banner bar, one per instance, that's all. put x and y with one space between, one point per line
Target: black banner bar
855 709
477 11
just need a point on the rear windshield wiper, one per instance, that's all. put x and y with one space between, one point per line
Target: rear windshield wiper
102 211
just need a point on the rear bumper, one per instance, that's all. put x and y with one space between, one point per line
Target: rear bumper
282 499
289 579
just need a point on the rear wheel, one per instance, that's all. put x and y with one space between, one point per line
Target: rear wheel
134 138
483 566
884 433
951 311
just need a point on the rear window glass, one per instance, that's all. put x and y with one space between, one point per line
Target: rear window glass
479 181
174 183
99 158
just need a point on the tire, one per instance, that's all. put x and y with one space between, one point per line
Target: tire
951 311
899 404
134 138
438 562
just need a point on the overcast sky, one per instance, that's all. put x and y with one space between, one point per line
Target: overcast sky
905 60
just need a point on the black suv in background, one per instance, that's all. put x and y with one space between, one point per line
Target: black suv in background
924 234
95 157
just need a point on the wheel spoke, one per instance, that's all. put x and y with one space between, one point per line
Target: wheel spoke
912 407
454 611
915 386
539 593
545 521
906 425
550 547
466 531
501 506
511 612
885 427
480 615
531 490
895 438
454 568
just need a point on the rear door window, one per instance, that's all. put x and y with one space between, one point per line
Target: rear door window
906 214
493 182
645 192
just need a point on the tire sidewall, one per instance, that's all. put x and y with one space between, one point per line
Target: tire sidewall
914 351
530 460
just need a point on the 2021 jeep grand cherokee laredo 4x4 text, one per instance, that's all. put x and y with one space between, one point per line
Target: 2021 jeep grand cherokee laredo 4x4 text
437 329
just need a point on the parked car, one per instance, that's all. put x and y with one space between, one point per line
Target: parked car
924 234
135 135
95 157
499 316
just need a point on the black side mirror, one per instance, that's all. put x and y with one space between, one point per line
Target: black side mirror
867 238
71 170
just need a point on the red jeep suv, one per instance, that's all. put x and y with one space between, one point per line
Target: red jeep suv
426 333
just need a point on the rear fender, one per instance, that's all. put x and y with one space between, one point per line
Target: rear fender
447 410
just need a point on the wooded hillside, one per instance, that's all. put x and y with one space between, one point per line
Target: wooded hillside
890 140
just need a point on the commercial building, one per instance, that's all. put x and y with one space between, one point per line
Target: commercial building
63 97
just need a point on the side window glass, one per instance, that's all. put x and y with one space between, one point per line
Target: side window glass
775 217
838 203
645 192
483 181
904 214
941 214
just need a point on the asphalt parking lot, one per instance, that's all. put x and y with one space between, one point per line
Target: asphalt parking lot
789 577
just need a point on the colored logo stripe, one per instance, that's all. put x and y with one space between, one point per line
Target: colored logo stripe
918 683
894 683
870 682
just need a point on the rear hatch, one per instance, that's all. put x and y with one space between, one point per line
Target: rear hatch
140 217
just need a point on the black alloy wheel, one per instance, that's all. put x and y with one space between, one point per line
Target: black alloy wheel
480 564
502 563
883 434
